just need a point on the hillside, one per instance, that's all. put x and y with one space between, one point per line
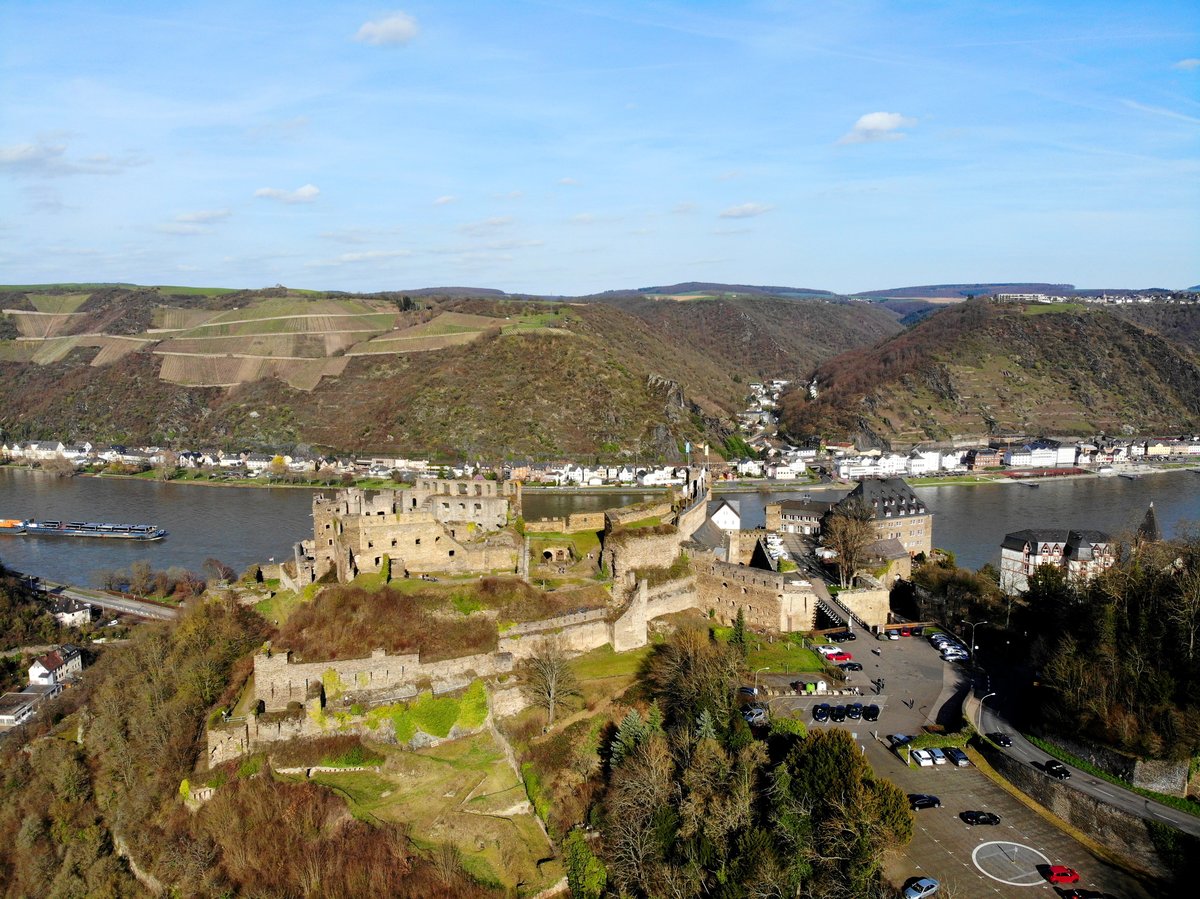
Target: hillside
761 335
982 368
958 292
410 373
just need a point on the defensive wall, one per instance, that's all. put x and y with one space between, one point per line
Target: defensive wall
870 602
278 680
625 551
618 518
575 523
769 601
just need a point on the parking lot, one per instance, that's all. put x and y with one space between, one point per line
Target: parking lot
1001 860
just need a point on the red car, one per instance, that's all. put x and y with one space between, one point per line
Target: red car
1062 874
840 657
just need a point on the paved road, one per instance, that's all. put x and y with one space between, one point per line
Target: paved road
921 689
112 603
1116 796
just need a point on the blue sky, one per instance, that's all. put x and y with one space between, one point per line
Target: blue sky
571 147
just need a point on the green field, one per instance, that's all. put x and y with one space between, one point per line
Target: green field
57 302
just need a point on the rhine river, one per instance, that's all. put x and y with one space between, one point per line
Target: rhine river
241 526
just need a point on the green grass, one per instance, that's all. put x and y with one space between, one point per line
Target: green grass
195 291
584 542
651 522
283 603
786 655
604 663
1175 802
57 302
434 715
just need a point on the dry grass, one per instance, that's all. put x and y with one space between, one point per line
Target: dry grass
40 325
57 302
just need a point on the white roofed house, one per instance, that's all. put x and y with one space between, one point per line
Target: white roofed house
71 612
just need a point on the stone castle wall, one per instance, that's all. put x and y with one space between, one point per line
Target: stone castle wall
615 518
629 550
278 680
769 601
575 523
870 603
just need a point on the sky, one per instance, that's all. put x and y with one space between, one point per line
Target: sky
564 148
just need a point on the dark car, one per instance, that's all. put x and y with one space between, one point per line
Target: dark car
846 635
837 713
854 711
851 666
870 713
1057 769
820 712
923 800
973 818
1000 739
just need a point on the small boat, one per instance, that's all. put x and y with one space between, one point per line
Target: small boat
11 526
93 529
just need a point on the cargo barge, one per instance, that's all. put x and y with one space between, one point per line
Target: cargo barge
34 528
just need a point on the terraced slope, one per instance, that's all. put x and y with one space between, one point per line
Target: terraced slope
982 368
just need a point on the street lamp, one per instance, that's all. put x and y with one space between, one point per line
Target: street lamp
767 668
979 717
973 625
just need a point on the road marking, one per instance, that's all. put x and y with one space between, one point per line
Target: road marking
1009 852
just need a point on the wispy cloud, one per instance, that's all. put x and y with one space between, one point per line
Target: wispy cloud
568 182
1187 65
397 28
877 126
583 218
745 210
182 229
286 129
1159 111
488 225
48 160
732 175
684 208
305 194
203 216
355 258
445 200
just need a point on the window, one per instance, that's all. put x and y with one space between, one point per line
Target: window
418 542
451 553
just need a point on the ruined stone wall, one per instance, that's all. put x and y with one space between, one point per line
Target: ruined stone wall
742 544
691 517
278 680
626 514
629 550
1160 775
870 603
725 588
773 513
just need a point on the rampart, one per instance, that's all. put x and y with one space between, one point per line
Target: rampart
869 603
625 551
278 680
575 523
769 601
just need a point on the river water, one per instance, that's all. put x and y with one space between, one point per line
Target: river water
240 526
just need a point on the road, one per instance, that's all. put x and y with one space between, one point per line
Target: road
1118 797
112 603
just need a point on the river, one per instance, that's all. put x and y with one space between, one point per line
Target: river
242 525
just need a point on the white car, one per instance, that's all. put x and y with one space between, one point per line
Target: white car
939 757
828 650
920 889
922 758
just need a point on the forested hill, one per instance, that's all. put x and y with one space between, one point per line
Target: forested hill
423 372
982 367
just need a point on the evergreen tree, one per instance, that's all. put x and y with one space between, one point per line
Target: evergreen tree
631 732
738 638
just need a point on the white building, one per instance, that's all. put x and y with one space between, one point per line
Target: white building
1080 554
57 666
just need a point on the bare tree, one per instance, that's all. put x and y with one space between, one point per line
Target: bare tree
549 681
848 531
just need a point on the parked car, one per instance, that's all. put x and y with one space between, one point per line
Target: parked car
1000 739
920 888
1061 874
854 711
871 713
820 711
841 656
922 758
829 650
939 757
918 801
755 716
847 635
851 666
750 692
837 713
1057 769
899 739
974 818
892 635
957 757
882 635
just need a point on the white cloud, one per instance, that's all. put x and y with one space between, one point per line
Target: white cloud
182 228
30 156
203 216
745 210
583 218
398 28
487 225
305 194
1187 65
1159 111
47 159
445 200
729 176
877 126
684 208
569 182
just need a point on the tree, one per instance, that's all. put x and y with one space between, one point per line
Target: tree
738 638
218 570
550 683
585 873
848 531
